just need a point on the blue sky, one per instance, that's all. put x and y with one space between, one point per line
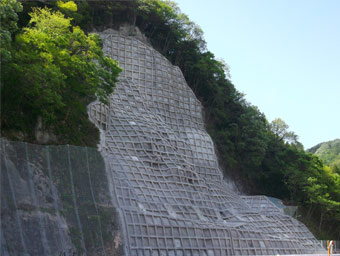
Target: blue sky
283 54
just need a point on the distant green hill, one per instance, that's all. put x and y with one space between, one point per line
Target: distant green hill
328 151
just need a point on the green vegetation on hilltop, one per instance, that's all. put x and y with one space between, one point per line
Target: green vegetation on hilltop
329 153
265 157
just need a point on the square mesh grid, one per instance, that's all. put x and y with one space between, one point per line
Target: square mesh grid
166 175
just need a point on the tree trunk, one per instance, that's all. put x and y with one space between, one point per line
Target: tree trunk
321 220
310 212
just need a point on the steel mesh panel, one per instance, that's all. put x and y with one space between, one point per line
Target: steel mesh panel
261 204
165 170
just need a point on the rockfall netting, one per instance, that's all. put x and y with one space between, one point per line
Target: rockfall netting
165 172
56 201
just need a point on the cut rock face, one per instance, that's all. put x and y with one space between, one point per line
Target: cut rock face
56 200
165 172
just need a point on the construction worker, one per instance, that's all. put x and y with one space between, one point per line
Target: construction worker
330 245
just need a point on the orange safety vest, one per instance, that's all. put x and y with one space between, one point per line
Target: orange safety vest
330 247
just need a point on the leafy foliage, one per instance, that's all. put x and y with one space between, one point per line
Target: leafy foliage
280 129
56 69
68 6
9 19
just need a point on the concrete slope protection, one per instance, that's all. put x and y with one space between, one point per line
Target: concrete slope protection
166 177
56 201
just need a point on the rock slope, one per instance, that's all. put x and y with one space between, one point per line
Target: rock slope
166 178
55 201
155 188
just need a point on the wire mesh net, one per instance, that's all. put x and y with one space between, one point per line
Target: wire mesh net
167 180
55 200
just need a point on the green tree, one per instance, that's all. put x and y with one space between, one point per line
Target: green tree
280 129
56 70
8 25
323 190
